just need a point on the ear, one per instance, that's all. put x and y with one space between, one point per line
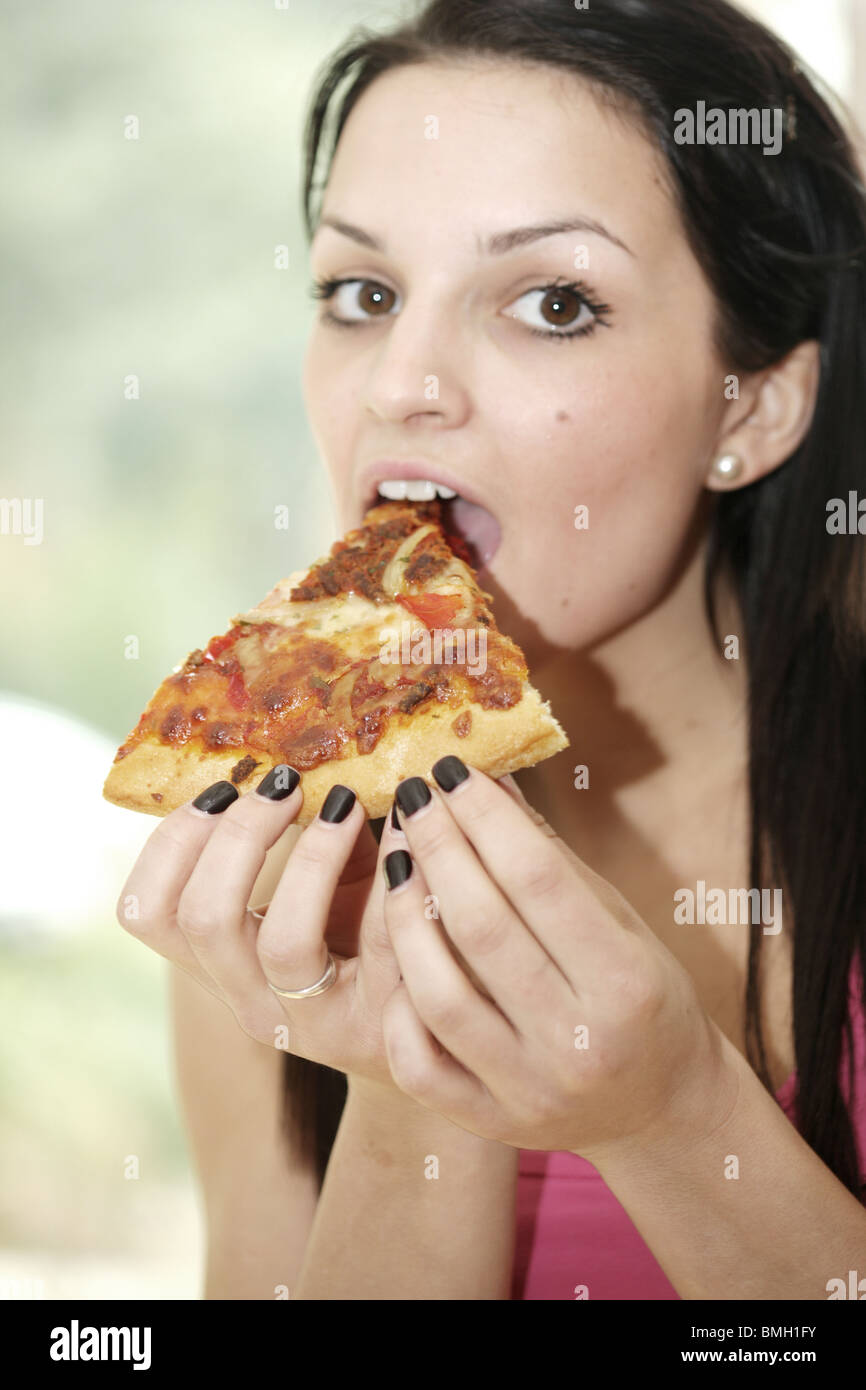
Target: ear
771 418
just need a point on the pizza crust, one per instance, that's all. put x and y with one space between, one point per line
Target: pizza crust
499 741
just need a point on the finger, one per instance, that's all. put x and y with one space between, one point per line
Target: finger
396 841
502 951
572 911
378 967
212 910
470 1026
147 906
508 784
361 863
422 1069
601 889
342 932
291 942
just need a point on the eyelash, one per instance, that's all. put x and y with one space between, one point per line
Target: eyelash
326 288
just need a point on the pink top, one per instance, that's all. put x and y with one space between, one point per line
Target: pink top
572 1231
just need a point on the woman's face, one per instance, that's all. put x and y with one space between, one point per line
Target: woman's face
456 357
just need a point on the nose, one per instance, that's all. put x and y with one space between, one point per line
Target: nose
416 369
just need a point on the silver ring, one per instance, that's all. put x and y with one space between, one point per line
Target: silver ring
319 987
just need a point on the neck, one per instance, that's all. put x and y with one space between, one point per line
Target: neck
656 715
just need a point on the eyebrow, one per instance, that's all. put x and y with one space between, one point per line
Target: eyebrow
500 242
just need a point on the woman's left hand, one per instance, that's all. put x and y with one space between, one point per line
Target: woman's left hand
564 1023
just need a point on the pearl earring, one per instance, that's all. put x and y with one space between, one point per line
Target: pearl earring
727 468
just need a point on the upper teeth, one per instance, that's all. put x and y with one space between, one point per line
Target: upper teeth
415 489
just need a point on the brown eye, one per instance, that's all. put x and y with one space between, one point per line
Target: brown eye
355 301
375 299
556 307
560 308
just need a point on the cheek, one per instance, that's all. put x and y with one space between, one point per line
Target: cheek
608 506
330 398
322 386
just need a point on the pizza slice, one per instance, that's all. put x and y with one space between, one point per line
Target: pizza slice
365 669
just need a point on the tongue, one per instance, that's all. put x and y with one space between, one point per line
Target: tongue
477 526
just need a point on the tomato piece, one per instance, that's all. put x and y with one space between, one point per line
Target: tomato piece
238 695
217 645
434 610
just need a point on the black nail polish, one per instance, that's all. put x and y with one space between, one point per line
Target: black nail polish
216 797
412 794
398 867
449 772
279 783
395 820
337 804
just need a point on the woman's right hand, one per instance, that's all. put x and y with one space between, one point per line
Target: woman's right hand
187 899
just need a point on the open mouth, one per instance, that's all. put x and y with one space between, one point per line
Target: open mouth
473 532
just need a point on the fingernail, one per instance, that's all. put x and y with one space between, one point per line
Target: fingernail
412 794
398 867
216 798
337 804
395 823
449 772
279 783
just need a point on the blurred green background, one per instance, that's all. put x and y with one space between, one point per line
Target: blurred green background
150 258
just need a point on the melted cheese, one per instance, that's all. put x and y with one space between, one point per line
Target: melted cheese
349 614
355 623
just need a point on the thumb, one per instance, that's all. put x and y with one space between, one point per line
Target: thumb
606 892
509 785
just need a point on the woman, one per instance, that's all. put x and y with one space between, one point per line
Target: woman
637 350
